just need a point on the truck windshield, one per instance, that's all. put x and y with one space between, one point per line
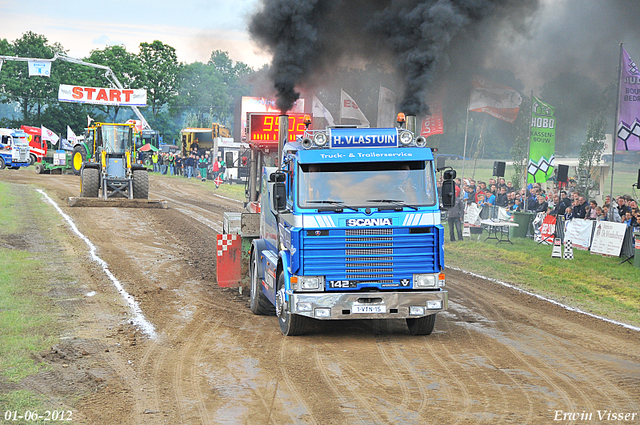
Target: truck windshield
115 138
367 184
20 141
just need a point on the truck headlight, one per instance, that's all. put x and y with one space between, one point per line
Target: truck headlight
320 139
406 138
425 281
307 283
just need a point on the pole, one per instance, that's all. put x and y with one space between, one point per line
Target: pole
528 158
466 130
614 138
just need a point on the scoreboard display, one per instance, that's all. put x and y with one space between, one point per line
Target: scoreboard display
264 128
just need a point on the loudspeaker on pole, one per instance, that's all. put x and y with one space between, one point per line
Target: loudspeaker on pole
563 173
498 168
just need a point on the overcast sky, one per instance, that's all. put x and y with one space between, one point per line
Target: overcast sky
194 28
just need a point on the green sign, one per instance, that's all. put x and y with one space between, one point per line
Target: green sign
543 142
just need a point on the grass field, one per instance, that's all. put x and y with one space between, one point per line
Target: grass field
28 317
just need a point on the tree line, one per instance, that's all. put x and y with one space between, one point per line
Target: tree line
178 94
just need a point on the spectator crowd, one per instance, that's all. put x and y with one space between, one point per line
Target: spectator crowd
194 165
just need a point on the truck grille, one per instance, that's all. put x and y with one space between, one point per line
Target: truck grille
371 255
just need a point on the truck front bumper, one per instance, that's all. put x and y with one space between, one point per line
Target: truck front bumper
368 305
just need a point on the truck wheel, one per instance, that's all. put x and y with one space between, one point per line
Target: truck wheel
2 164
259 303
290 324
77 158
39 168
422 325
89 183
32 159
140 184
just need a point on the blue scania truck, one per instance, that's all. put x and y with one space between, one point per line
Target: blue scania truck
350 229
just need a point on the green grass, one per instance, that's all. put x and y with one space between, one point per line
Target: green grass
593 283
27 315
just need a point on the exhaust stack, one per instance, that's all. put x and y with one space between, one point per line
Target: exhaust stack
412 122
283 136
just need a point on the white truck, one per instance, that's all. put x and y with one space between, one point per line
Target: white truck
14 149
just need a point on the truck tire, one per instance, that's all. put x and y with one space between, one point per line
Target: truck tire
2 164
39 168
422 325
89 183
140 184
32 159
78 157
290 324
259 303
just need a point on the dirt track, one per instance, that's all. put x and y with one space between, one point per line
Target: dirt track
497 356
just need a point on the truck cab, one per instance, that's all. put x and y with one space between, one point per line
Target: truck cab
350 229
14 149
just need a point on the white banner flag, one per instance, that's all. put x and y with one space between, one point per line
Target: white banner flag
386 108
49 135
319 111
578 231
349 109
39 69
71 136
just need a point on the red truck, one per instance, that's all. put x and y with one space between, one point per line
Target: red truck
37 147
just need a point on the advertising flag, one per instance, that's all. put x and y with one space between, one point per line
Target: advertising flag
629 108
433 124
71 136
39 69
494 99
319 111
386 108
543 142
349 109
46 134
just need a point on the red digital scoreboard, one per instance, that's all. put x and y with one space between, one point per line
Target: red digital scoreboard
264 128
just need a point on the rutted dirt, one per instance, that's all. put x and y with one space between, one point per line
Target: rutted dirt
497 355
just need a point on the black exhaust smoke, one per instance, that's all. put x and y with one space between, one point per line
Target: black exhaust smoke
309 37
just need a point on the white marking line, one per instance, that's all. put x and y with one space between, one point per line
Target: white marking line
549 300
138 318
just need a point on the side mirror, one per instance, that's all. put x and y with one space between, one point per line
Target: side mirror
449 175
448 193
279 196
277 177
228 160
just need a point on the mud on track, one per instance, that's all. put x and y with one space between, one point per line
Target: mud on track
497 355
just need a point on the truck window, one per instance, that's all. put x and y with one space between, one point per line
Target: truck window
366 184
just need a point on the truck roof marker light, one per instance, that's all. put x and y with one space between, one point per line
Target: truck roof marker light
401 119
307 121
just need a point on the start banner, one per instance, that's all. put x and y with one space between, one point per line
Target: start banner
102 96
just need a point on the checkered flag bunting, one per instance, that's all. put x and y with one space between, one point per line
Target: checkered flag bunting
568 250
542 165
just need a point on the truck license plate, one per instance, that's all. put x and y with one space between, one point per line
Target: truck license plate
369 309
